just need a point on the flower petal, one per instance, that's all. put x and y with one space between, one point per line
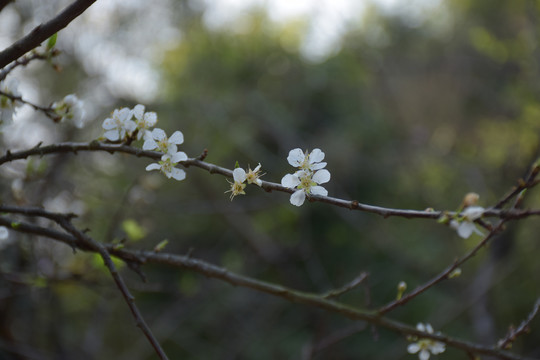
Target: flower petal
321 176
290 181
424 354
239 175
420 327
437 348
150 119
319 190
179 156
296 157
413 348
138 111
158 134
465 229
109 124
178 174
112 135
316 156
176 138
473 212
298 197
318 166
153 166
149 144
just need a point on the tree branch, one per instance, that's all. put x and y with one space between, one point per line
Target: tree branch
43 31
213 271
71 147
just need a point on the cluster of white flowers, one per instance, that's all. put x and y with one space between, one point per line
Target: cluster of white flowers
125 123
426 347
307 180
240 176
7 104
70 108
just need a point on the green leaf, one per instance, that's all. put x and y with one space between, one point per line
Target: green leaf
52 41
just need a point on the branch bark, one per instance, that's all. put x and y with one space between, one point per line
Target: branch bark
43 31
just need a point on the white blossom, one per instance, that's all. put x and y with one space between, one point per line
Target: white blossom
70 108
305 161
238 186
119 125
7 104
158 139
426 347
144 121
167 165
306 183
253 176
465 225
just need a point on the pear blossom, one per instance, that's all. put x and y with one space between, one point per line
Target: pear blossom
305 161
167 165
119 125
7 104
306 183
158 139
426 347
144 121
253 176
465 225
70 108
238 186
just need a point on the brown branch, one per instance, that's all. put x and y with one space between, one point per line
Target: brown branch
348 287
25 60
523 328
522 185
535 169
213 271
71 147
46 110
43 31
85 242
441 276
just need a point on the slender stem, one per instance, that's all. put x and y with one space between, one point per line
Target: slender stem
71 147
43 31
213 271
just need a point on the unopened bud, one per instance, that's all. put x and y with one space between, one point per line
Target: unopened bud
470 199
402 286
455 273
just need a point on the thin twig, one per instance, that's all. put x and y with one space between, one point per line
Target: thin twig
213 271
441 276
523 328
43 31
130 299
348 287
522 185
81 240
535 169
25 60
46 110
71 147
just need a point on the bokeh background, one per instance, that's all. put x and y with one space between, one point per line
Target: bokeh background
414 103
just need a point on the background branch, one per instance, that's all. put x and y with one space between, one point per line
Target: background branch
43 31
213 271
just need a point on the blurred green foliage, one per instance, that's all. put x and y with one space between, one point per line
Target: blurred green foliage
415 119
